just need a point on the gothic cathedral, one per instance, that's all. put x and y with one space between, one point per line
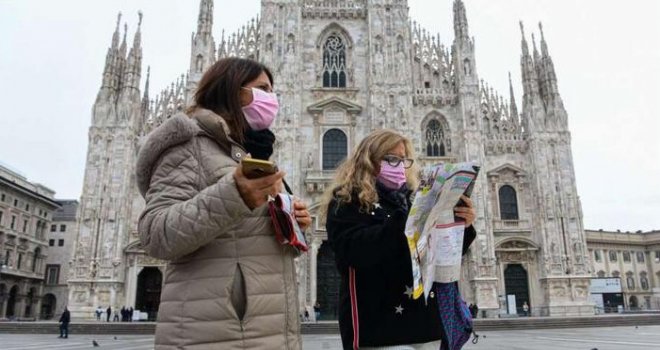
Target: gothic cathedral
343 68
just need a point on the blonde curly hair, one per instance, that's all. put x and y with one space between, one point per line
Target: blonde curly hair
357 174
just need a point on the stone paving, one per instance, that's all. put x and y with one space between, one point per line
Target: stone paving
610 338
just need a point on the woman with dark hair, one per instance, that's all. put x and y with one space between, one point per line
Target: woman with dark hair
229 284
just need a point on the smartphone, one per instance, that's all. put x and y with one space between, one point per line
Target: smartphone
256 168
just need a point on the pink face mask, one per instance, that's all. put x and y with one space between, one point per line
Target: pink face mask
393 177
261 112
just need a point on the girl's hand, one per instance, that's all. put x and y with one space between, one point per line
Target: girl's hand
466 212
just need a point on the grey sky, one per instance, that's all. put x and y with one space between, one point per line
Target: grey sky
606 54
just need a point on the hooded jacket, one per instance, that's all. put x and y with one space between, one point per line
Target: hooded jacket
228 283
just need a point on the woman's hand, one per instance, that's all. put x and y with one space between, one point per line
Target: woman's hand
466 212
255 192
302 214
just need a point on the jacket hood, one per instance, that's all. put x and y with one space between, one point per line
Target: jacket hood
174 131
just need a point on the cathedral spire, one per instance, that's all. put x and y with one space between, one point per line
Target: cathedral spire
523 43
137 39
122 48
512 101
544 45
115 35
205 18
460 21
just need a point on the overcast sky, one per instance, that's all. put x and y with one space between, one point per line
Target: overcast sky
606 54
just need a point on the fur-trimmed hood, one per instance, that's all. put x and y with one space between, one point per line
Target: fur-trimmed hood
177 130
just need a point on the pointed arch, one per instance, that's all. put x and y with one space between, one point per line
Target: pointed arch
435 135
335 44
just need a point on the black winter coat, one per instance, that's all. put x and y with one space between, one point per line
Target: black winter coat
372 255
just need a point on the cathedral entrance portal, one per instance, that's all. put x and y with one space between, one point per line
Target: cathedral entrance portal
327 286
516 283
149 285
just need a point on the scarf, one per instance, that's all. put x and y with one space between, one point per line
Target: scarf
259 143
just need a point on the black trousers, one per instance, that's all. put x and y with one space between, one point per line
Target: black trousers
64 330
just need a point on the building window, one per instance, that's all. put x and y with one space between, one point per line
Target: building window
630 281
597 256
8 258
2 197
20 261
27 207
1 213
13 222
53 228
62 228
657 256
643 281
640 257
52 274
334 62
16 202
435 139
25 223
51 242
612 255
626 256
35 260
60 243
334 148
508 203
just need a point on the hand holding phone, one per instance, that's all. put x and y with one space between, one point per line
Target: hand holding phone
256 168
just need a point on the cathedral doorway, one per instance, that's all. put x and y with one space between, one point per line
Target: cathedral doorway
48 304
11 302
633 303
149 285
516 283
327 284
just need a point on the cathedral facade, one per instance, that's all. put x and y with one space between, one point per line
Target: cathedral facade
342 69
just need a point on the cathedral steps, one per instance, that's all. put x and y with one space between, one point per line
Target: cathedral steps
329 327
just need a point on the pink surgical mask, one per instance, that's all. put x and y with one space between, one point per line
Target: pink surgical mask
393 177
261 112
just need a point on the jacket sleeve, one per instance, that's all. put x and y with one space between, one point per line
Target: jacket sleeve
468 237
179 218
359 243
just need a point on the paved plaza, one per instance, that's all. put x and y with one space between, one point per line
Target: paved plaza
610 338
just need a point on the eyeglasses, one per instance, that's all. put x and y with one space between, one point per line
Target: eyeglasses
395 161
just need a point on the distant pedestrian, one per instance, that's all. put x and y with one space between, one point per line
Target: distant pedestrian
130 314
65 319
526 309
99 311
317 311
108 313
116 318
124 318
306 315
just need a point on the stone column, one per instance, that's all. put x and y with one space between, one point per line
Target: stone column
131 285
316 244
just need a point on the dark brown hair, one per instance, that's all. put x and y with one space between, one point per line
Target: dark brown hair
220 88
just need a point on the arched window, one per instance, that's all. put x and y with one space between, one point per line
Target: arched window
640 257
199 63
35 260
508 203
643 281
334 62
612 255
435 139
334 148
597 256
626 256
630 281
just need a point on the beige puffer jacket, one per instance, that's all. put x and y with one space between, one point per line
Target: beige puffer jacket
229 284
